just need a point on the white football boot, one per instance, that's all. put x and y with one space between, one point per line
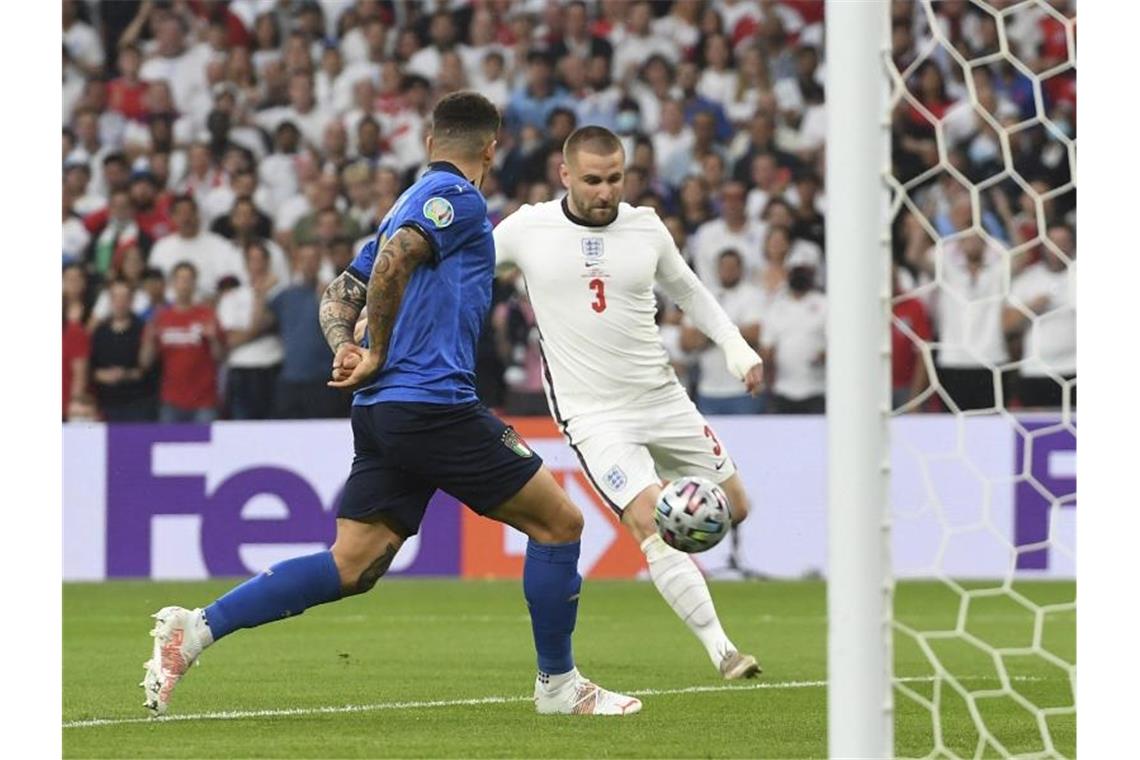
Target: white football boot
577 695
736 665
180 635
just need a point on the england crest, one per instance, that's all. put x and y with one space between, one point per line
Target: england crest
593 247
615 478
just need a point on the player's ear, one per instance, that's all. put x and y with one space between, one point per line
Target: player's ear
564 175
429 141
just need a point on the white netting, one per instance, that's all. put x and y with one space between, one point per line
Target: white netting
982 195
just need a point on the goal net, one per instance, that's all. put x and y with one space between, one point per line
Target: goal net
982 202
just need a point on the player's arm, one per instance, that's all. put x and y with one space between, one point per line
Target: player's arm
341 305
681 284
148 350
401 255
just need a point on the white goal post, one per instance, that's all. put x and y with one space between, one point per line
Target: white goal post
859 699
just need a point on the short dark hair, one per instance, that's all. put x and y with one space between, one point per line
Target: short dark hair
465 120
183 198
153 273
184 265
593 139
729 252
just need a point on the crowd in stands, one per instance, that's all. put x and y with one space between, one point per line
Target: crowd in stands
223 161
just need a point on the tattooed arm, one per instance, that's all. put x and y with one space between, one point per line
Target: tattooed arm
400 256
340 306
397 260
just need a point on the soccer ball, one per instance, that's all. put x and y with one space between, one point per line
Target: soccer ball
693 514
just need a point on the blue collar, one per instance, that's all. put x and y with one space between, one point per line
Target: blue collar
445 166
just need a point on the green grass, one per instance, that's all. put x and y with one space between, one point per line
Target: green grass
416 641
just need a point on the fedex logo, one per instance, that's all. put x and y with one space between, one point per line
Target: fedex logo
140 493
1049 460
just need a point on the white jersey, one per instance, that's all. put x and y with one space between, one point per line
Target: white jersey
591 288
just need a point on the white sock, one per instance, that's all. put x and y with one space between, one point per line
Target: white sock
681 583
202 628
551 683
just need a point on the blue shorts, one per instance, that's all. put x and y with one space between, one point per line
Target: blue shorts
404 451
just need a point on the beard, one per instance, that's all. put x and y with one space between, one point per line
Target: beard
594 213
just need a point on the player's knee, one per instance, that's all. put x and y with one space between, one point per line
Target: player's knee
561 524
567 524
739 505
638 518
359 571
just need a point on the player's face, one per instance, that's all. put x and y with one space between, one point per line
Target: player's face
595 184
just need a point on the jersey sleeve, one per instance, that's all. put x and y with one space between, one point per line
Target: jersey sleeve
446 216
679 282
506 235
362 262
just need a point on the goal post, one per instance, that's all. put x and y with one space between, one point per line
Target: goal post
859 701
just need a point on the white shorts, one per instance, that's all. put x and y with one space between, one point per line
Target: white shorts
660 437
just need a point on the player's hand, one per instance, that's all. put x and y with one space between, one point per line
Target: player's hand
347 358
367 366
744 363
754 379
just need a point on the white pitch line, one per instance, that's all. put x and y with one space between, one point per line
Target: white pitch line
295 711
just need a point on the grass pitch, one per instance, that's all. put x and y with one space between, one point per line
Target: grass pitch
445 668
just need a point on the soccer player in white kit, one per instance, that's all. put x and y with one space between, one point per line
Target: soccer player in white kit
590 264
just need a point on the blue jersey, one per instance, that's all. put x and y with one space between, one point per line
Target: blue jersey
431 355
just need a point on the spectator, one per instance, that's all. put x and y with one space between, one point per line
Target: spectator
768 181
120 231
1043 309
245 221
533 102
212 256
638 43
154 286
128 269
679 26
75 235
185 340
809 207
910 330
301 389
968 319
152 204
516 341
674 138
76 342
719 77
773 277
302 110
718 390
428 60
255 354
577 39
684 163
696 208
688 75
124 390
731 230
760 140
794 342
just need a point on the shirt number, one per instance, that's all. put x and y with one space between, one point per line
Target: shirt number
599 287
716 444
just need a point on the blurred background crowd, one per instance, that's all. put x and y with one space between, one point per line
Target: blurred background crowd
223 161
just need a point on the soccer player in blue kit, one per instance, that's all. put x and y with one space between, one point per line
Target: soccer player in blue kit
417 426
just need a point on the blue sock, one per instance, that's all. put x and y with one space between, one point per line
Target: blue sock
287 588
551 585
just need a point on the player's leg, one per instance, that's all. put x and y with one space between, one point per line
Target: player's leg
496 474
380 507
683 443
